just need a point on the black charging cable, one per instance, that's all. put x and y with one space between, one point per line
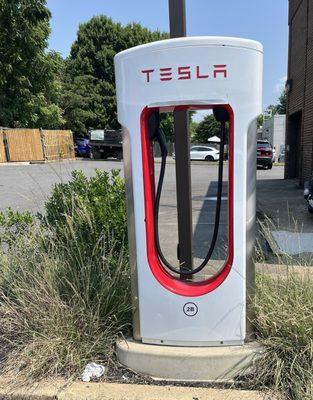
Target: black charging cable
222 116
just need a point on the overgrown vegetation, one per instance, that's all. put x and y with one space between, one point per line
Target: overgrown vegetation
284 325
13 224
65 283
65 291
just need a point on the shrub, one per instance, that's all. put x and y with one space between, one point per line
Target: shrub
101 201
284 324
13 224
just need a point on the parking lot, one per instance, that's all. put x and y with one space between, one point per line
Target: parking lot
26 187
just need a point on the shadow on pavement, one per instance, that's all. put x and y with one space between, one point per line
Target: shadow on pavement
205 224
281 200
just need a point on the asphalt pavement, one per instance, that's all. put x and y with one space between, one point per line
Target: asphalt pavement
26 187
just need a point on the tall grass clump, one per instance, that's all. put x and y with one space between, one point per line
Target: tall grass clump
284 325
65 281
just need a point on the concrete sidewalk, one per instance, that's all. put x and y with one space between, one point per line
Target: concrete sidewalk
285 227
281 200
59 390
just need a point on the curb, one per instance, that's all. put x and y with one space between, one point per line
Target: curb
14 163
39 162
59 390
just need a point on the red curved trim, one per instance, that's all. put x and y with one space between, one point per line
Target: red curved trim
171 283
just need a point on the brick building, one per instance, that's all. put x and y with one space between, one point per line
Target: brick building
299 127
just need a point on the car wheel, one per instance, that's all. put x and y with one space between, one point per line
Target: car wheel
270 166
209 158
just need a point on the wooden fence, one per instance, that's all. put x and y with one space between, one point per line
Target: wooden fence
24 145
2 148
57 146
35 145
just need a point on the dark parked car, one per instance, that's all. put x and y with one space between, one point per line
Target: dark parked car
264 154
82 148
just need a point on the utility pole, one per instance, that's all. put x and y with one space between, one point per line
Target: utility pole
177 16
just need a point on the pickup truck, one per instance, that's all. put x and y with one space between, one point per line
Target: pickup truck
106 143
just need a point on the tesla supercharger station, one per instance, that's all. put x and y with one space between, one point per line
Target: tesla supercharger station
224 75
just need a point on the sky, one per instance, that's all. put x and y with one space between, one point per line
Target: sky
262 20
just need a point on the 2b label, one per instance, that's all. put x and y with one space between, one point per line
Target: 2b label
190 309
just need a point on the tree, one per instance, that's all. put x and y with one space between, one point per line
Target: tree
89 95
207 128
30 82
167 125
260 121
193 125
280 107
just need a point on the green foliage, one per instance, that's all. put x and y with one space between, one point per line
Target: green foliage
279 108
13 224
284 324
102 198
167 125
89 95
39 89
29 78
193 129
207 128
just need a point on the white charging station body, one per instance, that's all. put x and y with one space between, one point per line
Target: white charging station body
191 73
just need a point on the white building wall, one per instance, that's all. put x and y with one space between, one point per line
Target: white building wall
274 130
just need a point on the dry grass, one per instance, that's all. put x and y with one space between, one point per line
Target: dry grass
284 325
284 322
61 308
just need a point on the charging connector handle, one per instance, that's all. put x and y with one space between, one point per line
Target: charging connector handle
222 116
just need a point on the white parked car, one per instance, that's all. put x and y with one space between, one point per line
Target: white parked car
204 153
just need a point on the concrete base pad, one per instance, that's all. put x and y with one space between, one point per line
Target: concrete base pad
193 364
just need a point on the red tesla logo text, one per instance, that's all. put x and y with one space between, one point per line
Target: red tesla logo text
185 72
